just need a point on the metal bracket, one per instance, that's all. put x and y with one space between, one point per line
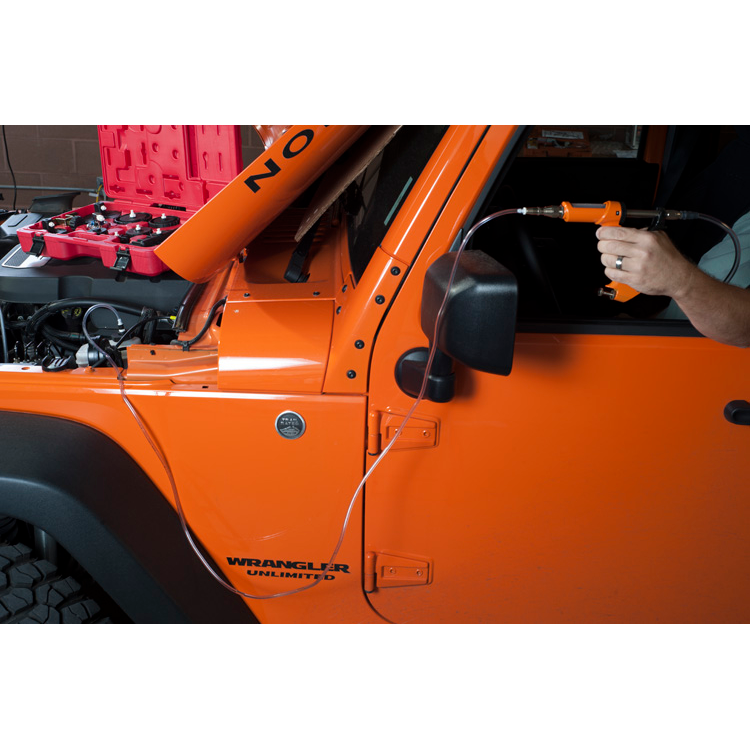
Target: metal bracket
418 433
385 570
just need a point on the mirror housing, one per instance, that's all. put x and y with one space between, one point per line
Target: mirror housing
479 323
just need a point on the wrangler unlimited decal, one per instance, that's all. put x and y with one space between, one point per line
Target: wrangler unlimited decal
281 568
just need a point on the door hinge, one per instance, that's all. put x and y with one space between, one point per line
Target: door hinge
386 570
420 432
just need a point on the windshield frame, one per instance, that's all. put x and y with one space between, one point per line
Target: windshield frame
374 198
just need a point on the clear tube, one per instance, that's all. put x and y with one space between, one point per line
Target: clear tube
165 464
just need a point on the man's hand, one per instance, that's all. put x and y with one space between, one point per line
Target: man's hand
651 264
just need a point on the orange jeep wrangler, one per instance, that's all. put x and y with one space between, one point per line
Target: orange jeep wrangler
314 408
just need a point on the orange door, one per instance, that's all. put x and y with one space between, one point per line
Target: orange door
599 482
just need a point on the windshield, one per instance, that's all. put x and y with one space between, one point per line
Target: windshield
373 199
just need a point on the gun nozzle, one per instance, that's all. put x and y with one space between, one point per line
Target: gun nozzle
551 212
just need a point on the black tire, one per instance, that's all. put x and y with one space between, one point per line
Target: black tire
33 591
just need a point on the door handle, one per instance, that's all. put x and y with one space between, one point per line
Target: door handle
737 412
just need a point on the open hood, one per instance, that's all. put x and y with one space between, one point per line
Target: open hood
232 219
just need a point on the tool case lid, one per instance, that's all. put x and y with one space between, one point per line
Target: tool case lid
180 165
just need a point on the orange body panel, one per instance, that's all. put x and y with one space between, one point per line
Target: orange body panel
637 515
271 346
597 483
246 491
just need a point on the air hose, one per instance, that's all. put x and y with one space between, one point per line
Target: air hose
731 233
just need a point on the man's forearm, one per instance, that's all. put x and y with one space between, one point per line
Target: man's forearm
651 264
717 310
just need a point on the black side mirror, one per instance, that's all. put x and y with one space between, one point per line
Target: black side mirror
479 323
478 327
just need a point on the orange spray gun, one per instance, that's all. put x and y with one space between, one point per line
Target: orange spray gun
609 214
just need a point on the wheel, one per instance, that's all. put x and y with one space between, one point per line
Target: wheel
32 590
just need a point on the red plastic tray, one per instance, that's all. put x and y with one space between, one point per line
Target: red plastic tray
162 170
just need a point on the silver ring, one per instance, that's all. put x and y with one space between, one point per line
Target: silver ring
618 263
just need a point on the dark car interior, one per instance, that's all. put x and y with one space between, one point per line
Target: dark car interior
697 168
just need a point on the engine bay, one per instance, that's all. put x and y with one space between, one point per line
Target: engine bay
43 302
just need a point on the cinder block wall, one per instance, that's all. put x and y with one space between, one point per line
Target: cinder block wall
48 157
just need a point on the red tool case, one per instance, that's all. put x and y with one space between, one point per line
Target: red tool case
157 177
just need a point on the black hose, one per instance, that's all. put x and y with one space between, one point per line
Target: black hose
12 174
735 240
187 344
63 343
141 323
51 308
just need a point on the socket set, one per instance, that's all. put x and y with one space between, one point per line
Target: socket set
158 176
